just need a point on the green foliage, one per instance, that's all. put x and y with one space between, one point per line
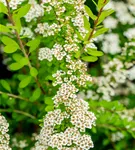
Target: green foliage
3 8
33 44
90 13
89 58
11 45
4 28
25 82
5 85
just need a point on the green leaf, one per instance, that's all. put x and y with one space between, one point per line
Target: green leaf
33 44
17 21
100 31
94 52
33 72
15 66
102 3
86 23
8 41
17 57
11 45
94 3
24 61
79 35
6 85
104 14
25 82
23 10
48 101
36 94
4 28
49 108
88 35
89 58
10 49
90 13
3 8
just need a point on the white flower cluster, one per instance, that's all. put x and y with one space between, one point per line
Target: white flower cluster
25 31
110 23
19 143
69 80
120 9
111 41
58 51
130 33
45 53
13 3
35 11
4 137
47 30
117 136
78 21
111 44
63 139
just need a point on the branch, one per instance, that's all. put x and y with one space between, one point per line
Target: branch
15 96
19 112
94 27
21 45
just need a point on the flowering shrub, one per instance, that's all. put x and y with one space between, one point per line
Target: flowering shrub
47 45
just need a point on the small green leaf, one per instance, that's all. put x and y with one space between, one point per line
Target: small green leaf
94 3
24 61
17 21
8 41
49 108
15 66
33 72
86 23
104 14
23 10
48 101
36 94
3 8
17 57
88 35
6 85
94 52
79 35
89 58
33 44
25 82
102 3
90 13
100 31
4 28
10 49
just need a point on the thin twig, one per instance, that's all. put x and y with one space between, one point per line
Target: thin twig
19 112
15 96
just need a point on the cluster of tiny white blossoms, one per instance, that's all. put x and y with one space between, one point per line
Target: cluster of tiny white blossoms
35 11
13 3
27 32
4 137
68 80
19 143
47 30
118 71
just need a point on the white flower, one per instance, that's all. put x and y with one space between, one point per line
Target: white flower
45 53
4 137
